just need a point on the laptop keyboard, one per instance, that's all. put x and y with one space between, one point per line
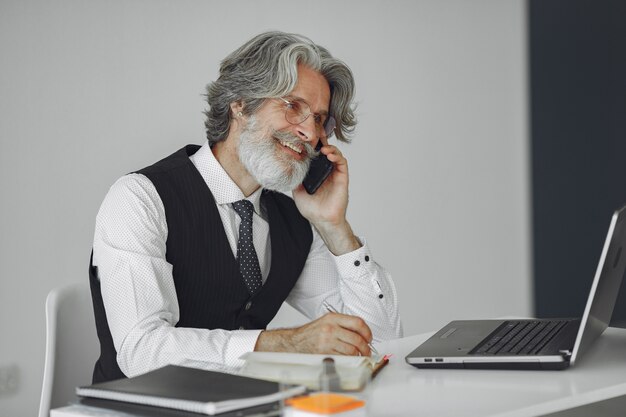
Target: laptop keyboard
526 337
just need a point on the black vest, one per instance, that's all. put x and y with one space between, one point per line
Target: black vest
209 287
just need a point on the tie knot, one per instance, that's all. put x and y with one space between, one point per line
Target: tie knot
244 209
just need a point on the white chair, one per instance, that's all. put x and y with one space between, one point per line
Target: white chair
71 345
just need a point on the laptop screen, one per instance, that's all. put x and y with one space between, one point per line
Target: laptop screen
605 286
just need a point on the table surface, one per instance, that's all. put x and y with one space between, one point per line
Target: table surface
402 390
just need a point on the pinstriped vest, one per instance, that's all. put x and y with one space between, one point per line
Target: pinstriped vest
210 290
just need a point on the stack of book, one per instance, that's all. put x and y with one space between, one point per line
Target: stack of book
265 380
177 391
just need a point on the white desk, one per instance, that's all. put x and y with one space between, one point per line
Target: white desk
402 390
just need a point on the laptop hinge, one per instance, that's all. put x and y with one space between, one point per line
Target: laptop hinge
566 352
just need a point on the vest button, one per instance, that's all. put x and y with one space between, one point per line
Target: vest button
248 305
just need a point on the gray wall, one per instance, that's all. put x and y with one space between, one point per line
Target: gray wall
439 165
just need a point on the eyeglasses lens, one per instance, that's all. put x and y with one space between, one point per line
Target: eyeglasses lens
297 112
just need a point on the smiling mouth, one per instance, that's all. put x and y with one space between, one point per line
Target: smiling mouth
291 146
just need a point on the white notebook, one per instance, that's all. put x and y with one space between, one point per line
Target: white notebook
305 369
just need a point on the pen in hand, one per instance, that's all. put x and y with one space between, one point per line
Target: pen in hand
331 309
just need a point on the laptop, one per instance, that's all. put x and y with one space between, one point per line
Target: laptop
532 344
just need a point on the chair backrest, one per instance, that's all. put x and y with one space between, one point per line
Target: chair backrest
71 345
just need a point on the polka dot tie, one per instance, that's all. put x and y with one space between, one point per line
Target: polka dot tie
248 261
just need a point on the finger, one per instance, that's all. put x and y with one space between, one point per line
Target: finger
345 349
342 348
339 161
336 159
328 149
355 324
355 343
331 151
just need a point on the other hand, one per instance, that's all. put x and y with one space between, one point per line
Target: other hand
333 333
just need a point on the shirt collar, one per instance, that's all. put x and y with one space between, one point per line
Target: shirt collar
223 188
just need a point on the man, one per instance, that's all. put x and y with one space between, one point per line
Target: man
194 255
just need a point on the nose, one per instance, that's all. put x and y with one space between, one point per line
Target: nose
307 131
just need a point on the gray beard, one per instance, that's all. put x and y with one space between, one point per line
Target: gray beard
268 166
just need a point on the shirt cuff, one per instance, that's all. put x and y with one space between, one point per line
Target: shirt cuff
356 264
241 341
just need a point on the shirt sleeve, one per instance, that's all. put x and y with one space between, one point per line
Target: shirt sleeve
138 288
352 284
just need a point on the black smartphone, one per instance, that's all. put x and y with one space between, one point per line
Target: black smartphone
319 170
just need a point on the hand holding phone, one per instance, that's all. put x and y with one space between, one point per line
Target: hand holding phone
319 170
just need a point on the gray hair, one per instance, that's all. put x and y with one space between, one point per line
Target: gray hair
266 67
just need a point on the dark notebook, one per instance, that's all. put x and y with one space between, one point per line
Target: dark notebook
190 389
139 410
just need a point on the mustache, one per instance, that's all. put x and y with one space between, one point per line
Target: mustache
294 140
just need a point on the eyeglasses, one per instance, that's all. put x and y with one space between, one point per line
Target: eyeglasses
297 111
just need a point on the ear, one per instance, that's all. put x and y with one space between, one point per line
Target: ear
236 108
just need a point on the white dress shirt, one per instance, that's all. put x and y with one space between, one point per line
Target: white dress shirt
138 287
